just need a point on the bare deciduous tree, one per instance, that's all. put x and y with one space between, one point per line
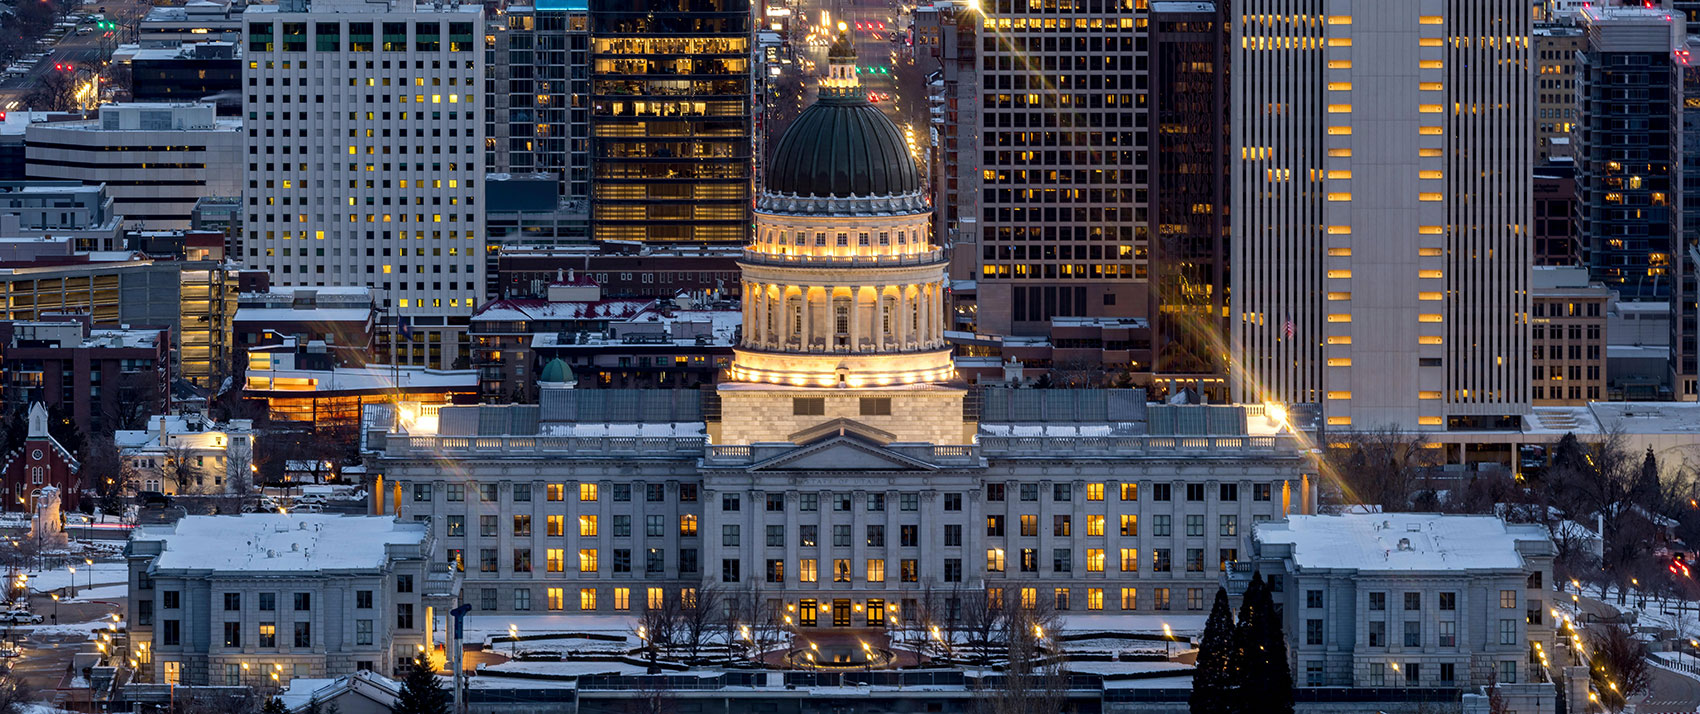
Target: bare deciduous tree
1033 676
180 469
1381 467
1620 667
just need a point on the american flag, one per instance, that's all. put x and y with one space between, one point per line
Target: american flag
1287 328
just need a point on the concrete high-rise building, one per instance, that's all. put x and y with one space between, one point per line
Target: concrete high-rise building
1382 208
947 51
365 154
1685 376
1065 165
156 160
671 120
1556 46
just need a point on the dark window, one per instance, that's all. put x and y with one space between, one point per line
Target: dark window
807 406
363 599
303 634
232 634
170 633
233 601
303 601
404 616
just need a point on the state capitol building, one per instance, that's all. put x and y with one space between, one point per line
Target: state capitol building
842 471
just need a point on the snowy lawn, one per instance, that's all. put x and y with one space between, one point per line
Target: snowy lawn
105 573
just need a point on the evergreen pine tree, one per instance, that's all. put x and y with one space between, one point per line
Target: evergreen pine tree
1275 678
274 706
421 693
1216 677
1246 648
1646 489
313 707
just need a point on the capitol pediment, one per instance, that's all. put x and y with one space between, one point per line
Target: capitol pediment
842 452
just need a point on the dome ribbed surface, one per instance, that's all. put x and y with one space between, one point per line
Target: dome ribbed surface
555 371
842 146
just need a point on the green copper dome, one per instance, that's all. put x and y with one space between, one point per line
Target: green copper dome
842 146
554 371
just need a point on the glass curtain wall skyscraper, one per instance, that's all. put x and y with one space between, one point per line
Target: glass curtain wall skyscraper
671 129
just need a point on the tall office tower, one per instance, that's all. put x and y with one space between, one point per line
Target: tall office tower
538 113
1063 230
1189 194
671 130
1685 260
946 48
1556 46
1626 220
1381 209
365 157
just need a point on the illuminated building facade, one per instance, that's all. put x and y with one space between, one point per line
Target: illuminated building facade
366 158
1188 195
841 475
539 115
1065 171
1382 208
671 131
1555 88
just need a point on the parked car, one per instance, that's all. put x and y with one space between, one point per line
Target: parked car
313 499
308 508
152 499
20 617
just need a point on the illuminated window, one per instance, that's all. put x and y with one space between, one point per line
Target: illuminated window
587 598
1339 42
1429 196
1429 274
1430 86
1428 20
1430 153
1340 317
1429 252
1339 174
622 598
1428 64
1339 339
1339 252
1340 362
1339 19
1339 230
1339 296
1428 395
1428 421
1428 296
587 560
1340 153
1428 317
1429 130
1339 421
587 526
1429 174
1342 274
557 598
1428 108
1339 131
1340 196
1339 64
1340 395
1429 340
1340 86
1339 109
1430 230
556 492
1094 560
587 492
1094 492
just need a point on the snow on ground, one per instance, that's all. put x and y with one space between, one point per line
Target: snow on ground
105 573
101 592
1150 683
42 709
480 628
573 669
1113 668
78 628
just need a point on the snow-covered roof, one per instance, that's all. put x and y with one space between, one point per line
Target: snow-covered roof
277 542
310 314
1400 541
537 309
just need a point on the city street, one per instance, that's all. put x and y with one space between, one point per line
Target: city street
898 87
1670 692
84 51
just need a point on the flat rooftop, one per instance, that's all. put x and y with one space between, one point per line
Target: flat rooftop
276 542
1400 541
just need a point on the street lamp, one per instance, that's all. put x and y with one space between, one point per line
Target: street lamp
73 581
513 639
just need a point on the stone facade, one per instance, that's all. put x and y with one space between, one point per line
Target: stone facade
844 520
